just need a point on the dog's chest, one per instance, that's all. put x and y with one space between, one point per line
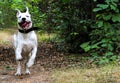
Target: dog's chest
27 42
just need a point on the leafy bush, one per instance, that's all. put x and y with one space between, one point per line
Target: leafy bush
104 40
71 20
5 11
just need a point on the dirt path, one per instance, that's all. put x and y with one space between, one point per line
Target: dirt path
38 76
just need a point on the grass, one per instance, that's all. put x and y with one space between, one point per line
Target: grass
105 74
45 37
5 36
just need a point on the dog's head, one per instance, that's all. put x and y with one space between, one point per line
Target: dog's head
24 19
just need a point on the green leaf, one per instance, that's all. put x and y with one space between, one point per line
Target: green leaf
104 40
108 53
116 18
105 60
114 3
97 9
107 17
84 45
113 57
103 6
98 15
104 45
82 21
112 7
100 23
74 33
87 49
110 47
43 15
95 46
107 1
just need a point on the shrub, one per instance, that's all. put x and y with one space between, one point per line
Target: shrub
104 38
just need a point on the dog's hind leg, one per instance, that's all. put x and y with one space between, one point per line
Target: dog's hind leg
18 69
32 57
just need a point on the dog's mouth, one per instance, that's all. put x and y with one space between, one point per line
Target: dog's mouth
24 24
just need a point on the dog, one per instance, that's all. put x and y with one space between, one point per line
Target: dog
24 40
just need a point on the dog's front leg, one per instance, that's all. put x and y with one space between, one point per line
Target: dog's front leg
18 53
18 58
27 72
18 69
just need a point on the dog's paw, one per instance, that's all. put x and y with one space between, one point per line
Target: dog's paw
27 72
19 58
17 74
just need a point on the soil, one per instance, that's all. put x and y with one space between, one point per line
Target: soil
48 59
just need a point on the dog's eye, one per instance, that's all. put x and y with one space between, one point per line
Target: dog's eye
27 16
19 17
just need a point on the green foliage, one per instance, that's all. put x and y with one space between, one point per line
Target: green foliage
87 47
104 36
68 18
5 11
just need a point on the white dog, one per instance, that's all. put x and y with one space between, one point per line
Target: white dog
25 40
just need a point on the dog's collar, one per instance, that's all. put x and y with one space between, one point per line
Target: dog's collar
28 30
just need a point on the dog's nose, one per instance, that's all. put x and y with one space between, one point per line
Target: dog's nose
23 19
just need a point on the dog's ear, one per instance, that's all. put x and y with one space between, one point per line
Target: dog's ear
27 10
18 12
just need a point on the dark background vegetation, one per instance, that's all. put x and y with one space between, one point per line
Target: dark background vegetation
82 26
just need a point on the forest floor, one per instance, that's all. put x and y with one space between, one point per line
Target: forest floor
52 66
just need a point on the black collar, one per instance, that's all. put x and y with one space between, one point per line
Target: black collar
28 30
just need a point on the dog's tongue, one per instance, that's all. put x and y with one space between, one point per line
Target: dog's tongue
25 24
